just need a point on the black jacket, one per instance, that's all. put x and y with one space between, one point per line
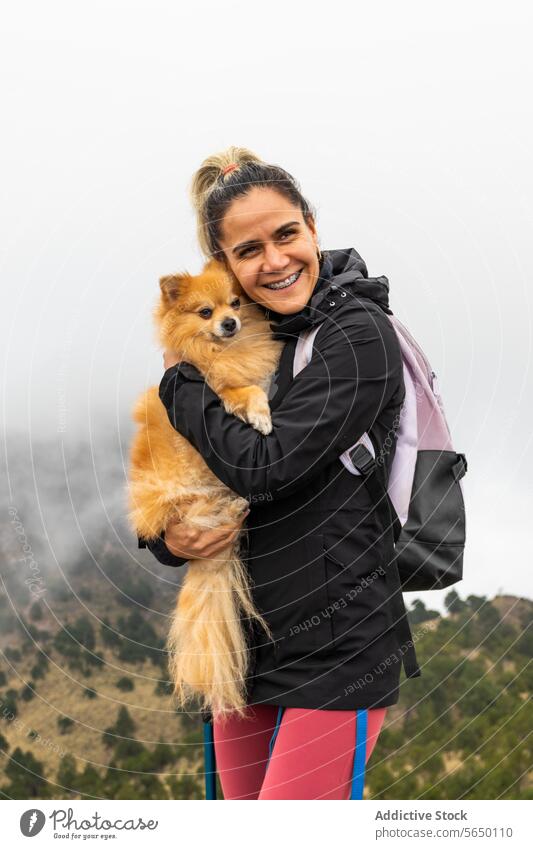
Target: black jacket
317 549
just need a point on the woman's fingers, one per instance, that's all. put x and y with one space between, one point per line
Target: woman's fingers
170 358
187 541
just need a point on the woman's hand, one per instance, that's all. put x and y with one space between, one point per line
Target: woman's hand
184 540
170 358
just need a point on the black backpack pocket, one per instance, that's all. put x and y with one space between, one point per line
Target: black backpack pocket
431 544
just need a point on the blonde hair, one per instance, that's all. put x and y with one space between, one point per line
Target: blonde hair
212 191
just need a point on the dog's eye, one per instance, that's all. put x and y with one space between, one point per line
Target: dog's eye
235 304
206 312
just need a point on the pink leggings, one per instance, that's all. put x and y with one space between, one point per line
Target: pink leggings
312 756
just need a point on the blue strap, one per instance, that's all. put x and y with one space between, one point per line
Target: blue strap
275 734
358 775
210 762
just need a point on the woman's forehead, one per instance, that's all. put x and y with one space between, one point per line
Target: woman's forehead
257 215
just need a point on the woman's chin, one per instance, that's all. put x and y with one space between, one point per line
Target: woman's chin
286 305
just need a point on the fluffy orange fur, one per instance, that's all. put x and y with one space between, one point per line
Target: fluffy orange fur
168 479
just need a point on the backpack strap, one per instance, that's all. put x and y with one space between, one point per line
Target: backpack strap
275 732
210 766
364 461
460 467
359 759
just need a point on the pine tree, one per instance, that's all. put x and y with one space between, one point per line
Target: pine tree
454 603
26 776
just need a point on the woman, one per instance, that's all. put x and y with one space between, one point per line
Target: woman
317 548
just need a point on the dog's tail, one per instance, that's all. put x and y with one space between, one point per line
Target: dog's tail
208 649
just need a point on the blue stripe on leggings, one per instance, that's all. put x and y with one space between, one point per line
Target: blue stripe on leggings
358 775
275 734
209 762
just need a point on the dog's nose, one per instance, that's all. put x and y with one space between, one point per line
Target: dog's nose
229 325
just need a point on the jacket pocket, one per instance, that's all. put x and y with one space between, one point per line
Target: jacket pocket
351 600
338 577
291 592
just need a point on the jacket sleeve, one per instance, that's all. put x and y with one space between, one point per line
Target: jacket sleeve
160 551
355 370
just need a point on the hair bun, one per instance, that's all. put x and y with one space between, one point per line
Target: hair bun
209 172
213 189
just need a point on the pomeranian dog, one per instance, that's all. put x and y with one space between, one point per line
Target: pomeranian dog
209 322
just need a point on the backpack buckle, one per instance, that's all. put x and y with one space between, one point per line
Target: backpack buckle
362 458
459 467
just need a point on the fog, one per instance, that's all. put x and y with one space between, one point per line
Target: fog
409 130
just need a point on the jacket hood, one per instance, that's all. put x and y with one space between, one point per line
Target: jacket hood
344 269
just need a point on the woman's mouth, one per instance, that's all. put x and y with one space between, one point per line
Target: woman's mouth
284 284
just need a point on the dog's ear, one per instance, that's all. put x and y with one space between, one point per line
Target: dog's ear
170 287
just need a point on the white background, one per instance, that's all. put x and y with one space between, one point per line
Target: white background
408 126
303 823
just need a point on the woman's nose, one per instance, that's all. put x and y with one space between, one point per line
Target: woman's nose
274 259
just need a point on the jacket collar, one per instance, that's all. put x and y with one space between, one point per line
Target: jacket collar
339 269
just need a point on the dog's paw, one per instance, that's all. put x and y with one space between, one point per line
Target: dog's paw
231 408
261 421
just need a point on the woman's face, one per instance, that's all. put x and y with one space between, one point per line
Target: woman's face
271 249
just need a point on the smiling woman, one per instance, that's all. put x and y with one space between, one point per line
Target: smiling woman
278 267
264 232
316 545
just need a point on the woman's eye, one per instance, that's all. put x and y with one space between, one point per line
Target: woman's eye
235 304
288 233
206 312
246 251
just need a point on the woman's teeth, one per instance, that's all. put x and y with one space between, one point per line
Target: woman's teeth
284 283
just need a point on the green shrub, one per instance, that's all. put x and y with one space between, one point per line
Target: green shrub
27 692
13 655
125 684
65 724
26 775
89 693
9 703
124 727
36 611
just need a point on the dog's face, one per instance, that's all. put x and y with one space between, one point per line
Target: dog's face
203 306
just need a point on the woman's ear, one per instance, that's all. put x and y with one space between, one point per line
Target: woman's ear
310 221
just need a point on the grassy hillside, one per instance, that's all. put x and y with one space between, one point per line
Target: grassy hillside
463 729
86 710
85 704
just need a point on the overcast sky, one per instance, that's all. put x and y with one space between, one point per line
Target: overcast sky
409 127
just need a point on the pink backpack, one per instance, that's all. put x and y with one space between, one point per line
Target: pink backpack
423 502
